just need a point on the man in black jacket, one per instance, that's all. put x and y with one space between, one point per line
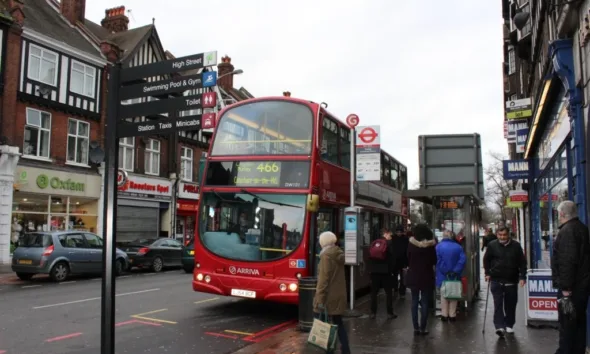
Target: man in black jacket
400 242
505 265
382 277
488 238
570 265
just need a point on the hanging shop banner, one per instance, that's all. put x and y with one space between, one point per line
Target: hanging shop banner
368 153
519 109
513 205
514 126
521 138
541 297
519 196
516 169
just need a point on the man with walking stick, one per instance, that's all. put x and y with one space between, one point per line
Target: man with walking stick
505 267
570 266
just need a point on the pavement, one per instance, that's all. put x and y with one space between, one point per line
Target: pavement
155 313
380 335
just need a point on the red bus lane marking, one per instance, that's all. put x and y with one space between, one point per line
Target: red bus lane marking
258 336
220 335
2 351
67 336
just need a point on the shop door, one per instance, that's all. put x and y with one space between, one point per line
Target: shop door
137 223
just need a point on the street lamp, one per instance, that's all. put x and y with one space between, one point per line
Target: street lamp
235 72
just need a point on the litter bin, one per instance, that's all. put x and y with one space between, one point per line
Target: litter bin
307 287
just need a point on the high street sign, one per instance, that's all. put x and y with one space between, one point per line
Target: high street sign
190 62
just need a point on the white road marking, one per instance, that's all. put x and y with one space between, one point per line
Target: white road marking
124 276
149 274
31 286
93 299
67 282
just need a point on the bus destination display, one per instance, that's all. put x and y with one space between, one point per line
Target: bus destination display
449 202
270 174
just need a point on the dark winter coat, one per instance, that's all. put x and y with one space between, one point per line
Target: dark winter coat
400 251
570 263
331 286
385 266
487 239
505 263
421 262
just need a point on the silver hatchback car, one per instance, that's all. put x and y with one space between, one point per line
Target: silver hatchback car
61 253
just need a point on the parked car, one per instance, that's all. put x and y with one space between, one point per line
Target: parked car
155 254
60 254
188 257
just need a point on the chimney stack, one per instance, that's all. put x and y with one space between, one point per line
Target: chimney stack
73 10
115 20
287 94
223 69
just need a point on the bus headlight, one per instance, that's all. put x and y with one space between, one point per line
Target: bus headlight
199 277
207 279
293 287
198 265
283 287
298 275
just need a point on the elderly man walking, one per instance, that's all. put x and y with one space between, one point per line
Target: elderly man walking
570 265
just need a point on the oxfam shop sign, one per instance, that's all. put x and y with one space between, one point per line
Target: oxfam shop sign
44 181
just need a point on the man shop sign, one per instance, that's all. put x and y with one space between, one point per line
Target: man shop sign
541 297
516 169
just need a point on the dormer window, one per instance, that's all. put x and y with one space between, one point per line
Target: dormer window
42 65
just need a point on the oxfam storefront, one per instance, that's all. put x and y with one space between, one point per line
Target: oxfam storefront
46 200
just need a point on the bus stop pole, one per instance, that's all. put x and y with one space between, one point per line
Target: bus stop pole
352 180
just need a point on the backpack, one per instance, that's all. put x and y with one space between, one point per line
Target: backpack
378 249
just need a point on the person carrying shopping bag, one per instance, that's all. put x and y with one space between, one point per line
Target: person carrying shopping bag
450 261
330 301
420 277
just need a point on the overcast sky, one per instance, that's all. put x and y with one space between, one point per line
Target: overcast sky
413 67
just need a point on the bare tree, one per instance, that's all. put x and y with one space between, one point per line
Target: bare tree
497 188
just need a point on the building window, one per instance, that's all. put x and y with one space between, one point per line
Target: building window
37 133
514 97
126 155
42 65
330 141
152 157
511 61
528 26
186 164
82 79
78 139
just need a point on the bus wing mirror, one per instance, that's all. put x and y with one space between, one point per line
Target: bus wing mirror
313 202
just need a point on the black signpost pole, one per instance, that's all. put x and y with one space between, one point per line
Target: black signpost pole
107 333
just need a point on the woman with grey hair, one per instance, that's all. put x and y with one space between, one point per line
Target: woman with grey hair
330 296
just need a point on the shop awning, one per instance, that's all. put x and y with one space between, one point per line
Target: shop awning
426 195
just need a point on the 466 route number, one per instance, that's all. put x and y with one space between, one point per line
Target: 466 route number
268 167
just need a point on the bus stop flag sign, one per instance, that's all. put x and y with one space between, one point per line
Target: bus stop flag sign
368 153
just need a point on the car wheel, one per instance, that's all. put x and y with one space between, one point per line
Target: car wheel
158 264
119 267
60 272
25 276
189 269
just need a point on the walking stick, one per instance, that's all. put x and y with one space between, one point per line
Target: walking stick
485 315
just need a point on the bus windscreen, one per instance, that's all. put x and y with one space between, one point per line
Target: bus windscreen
264 128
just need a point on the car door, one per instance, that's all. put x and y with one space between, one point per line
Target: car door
95 244
77 252
175 252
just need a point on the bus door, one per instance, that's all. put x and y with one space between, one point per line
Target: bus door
325 220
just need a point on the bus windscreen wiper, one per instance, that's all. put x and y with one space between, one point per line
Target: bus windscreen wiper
268 201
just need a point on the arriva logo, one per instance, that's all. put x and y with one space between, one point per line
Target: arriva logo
246 271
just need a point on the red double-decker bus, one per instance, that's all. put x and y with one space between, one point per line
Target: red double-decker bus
276 176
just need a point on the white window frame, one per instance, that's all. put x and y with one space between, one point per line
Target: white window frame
86 77
150 151
186 158
41 59
511 60
38 127
127 144
78 138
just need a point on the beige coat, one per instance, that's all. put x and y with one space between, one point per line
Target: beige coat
331 287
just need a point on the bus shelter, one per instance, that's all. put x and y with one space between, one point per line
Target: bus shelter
456 209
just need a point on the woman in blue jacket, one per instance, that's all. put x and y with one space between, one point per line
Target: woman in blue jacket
449 266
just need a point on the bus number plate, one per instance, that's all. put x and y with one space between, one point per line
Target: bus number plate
243 293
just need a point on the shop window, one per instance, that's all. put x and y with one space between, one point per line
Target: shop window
186 164
126 153
37 133
83 79
329 149
78 140
345 147
394 175
152 157
42 65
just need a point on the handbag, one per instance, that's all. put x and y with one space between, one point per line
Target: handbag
451 289
323 334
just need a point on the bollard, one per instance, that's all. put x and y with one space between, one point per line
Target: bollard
307 287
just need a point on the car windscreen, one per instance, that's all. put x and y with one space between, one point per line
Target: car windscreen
35 239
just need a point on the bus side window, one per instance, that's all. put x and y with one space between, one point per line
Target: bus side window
329 148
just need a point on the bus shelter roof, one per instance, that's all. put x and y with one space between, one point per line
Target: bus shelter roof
427 195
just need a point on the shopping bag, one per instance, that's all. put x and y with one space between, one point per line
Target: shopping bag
323 334
451 289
